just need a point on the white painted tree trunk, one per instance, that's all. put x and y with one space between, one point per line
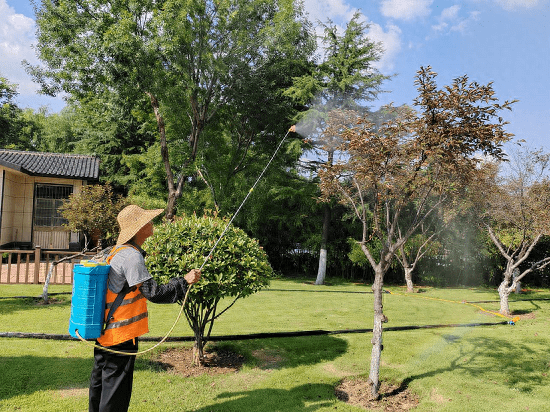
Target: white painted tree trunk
408 279
321 272
322 267
504 291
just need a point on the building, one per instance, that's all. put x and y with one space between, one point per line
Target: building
33 186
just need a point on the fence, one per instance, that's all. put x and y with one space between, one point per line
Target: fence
31 266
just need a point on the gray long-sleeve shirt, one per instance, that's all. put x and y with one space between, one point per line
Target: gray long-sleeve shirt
128 265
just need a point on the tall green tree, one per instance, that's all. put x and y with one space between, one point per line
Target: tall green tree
121 132
345 79
183 55
10 122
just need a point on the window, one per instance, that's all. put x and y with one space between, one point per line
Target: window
47 200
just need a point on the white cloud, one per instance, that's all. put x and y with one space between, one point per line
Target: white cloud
16 37
391 43
516 4
450 13
462 25
451 21
405 9
321 10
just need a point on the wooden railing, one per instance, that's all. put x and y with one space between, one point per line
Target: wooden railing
31 266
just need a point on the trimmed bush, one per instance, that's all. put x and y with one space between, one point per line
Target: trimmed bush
237 267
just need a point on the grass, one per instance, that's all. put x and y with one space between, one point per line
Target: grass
487 368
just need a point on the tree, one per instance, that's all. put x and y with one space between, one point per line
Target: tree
93 211
237 268
122 132
184 56
423 159
10 123
513 204
345 79
410 253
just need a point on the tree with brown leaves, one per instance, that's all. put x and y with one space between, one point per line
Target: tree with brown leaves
415 164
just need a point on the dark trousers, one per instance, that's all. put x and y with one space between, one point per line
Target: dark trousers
111 380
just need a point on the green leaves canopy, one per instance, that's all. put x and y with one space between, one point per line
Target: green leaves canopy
238 266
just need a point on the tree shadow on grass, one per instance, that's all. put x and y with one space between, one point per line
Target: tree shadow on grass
305 398
17 304
24 375
517 366
266 354
292 352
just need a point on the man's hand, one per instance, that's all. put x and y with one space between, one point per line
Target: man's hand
193 276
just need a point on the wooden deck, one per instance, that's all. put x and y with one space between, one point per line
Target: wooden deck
18 266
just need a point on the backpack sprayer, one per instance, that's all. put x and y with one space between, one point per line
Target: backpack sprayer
90 287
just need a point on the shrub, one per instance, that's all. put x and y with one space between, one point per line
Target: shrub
237 267
93 211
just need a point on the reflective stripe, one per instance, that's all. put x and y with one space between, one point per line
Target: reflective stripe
126 322
126 301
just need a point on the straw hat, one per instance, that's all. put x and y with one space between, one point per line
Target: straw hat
131 219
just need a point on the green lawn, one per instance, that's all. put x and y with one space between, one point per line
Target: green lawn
487 368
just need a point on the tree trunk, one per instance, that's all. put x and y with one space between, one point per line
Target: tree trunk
408 279
173 194
47 281
377 346
171 205
198 351
321 272
504 291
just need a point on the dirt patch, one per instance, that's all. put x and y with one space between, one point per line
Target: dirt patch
523 315
72 393
268 359
180 361
393 398
51 301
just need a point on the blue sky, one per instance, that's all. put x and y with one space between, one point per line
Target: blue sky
506 42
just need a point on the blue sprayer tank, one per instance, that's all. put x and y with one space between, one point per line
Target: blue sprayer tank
88 300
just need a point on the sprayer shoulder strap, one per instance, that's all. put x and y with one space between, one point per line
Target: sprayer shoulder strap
118 300
120 297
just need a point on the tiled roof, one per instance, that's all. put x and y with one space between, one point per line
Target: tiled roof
70 166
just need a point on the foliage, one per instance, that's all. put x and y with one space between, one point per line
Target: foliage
9 117
344 79
423 159
121 131
184 57
514 211
93 210
237 268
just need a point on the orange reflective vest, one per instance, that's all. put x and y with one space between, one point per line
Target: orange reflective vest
130 319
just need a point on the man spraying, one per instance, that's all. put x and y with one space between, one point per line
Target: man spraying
129 286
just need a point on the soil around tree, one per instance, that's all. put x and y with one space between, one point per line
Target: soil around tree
393 398
353 391
180 361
